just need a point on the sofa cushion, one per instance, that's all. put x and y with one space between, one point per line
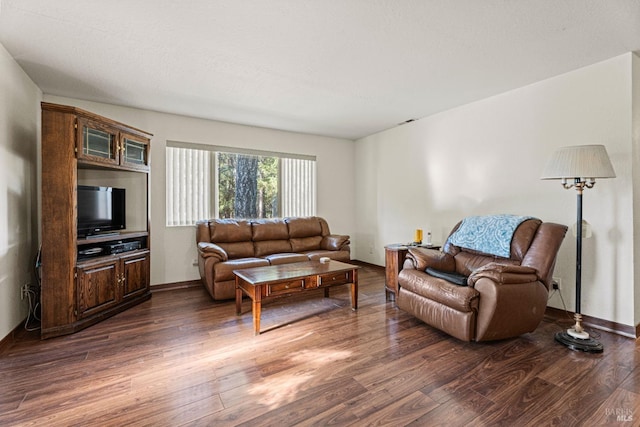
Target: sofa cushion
304 227
224 270
287 258
269 247
230 231
305 244
269 229
238 249
344 255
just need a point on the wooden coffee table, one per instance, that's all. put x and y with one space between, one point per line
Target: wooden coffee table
262 283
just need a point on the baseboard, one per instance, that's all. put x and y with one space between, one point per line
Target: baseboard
175 285
603 325
366 264
7 341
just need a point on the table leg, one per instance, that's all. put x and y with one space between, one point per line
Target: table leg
238 297
256 307
354 291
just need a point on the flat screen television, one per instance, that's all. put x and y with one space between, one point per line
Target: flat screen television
100 210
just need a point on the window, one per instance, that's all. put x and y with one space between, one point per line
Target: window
222 182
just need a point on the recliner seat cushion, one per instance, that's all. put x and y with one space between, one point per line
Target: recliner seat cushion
460 298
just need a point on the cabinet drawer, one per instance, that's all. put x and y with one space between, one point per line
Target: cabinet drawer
335 278
285 287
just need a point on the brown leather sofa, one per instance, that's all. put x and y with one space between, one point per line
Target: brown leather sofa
225 245
499 297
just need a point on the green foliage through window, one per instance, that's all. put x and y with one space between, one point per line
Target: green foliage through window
247 186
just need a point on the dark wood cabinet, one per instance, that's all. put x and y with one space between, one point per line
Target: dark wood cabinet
95 287
135 274
134 152
79 288
99 143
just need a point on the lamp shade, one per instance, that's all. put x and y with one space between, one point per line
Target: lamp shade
579 161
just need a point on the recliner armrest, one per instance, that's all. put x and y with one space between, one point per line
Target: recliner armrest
421 258
504 274
208 250
334 242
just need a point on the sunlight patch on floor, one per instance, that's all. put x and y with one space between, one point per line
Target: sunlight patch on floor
279 389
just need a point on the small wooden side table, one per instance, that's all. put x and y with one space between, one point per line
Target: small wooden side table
394 256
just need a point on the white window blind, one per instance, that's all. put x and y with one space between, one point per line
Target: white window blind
193 193
189 185
298 178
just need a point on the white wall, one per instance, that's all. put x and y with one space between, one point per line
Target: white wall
19 141
487 157
174 248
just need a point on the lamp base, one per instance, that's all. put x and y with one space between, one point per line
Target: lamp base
588 345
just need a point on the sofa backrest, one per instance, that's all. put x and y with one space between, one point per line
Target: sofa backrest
306 233
261 237
270 236
232 235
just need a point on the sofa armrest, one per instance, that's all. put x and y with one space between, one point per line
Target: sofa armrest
422 258
208 250
334 242
504 274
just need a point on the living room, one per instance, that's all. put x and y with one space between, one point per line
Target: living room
482 157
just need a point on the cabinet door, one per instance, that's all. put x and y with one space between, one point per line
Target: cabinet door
134 152
97 286
135 278
97 143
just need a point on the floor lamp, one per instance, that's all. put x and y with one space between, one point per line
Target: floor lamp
578 167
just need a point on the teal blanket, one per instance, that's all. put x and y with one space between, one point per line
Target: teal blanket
491 234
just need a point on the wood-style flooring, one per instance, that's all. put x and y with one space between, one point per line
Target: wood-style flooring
181 359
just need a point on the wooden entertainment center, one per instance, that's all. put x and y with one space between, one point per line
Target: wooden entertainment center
85 280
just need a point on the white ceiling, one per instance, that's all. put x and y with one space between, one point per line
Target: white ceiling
346 68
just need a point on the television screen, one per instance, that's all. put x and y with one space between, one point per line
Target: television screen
100 210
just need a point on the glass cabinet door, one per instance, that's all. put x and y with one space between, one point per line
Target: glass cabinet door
97 142
135 152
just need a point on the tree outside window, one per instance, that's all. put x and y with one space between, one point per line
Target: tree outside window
247 186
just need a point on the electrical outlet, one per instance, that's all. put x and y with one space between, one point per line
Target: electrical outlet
557 283
24 291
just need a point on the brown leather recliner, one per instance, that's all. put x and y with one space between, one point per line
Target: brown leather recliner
502 297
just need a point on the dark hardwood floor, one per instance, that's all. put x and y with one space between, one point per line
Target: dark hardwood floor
181 359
